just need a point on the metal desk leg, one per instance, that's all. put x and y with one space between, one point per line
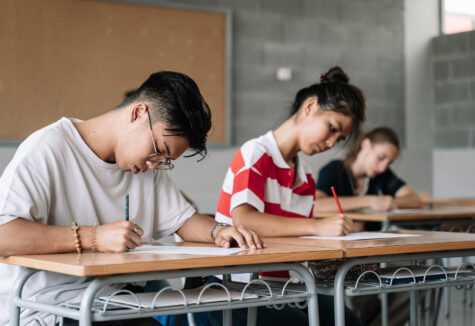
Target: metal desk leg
447 301
252 311
15 294
435 316
384 309
425 307
312 300
227 317
87 301
191 319
339 288
251 316
414 311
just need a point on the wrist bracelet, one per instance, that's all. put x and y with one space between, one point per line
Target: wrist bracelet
216 226
77 242
93 237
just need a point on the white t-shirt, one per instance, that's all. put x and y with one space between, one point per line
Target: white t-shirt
55 178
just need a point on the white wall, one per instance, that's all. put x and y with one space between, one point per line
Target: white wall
421 24
6 154
454 173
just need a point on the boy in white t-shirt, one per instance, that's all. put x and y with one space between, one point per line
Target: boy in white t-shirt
79 172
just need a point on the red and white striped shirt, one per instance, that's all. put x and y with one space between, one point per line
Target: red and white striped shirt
260 177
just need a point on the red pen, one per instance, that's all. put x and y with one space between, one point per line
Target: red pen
336 199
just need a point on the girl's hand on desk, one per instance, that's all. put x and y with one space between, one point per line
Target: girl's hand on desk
381 203
226 235
118 236
333 226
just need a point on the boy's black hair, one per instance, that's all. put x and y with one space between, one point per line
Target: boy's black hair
175 99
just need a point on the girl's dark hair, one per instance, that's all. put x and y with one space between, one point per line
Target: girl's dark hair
335 93
175 99
376 136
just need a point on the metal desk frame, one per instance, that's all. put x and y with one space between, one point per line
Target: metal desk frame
339 282
85 313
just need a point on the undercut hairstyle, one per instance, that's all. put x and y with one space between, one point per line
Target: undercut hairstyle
335 93
378 135
175 99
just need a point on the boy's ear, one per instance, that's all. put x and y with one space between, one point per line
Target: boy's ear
139 110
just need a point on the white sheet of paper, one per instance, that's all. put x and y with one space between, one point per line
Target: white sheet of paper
177 250
364 236
174 298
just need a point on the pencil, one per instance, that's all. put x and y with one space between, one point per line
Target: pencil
127 207
336 199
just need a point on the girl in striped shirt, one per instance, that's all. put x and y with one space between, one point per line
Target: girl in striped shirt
270 190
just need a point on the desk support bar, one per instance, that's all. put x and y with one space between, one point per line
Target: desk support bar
339 283
100 282
16 293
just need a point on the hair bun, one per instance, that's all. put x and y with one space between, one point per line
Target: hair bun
334 75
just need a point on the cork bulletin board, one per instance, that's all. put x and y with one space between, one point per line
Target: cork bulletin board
77 58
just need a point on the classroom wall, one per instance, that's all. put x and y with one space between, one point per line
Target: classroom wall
454 90
453 60
366 37
419 29
454 173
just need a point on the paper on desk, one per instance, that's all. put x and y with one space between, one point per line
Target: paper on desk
178 250
174 298
364 236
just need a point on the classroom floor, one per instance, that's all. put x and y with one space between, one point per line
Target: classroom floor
461 314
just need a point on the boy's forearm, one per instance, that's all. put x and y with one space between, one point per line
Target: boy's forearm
21 237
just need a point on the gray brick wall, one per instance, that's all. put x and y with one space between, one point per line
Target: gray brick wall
454 90
365 37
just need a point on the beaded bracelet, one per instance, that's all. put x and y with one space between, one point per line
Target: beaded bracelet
214 228
77 242
93 237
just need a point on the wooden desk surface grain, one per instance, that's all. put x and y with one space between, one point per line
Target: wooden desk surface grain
95 264
437 213
450 202
427 241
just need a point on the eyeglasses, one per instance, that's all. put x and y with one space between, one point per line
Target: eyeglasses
163 164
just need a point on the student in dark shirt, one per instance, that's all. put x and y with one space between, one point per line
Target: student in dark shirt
364 179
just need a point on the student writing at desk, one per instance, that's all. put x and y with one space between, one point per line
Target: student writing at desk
76 171
269 189
364 180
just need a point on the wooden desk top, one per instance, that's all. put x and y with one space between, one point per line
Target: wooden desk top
95 264
410 215
450 202
428 241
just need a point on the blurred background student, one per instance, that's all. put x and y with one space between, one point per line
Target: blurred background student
365 180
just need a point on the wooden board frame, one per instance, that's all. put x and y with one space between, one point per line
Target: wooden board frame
19 120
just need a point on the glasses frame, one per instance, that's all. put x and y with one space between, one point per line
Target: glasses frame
163 164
